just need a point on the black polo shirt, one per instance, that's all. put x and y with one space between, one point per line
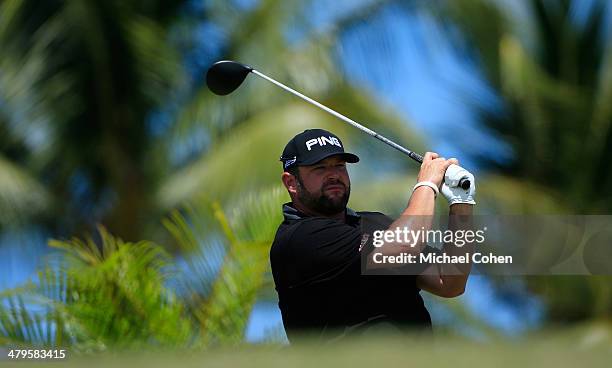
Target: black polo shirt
316 265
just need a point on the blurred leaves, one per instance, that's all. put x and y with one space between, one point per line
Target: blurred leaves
107 293
104 119
95 99
226 258
21 196
552 71
77 82
97 297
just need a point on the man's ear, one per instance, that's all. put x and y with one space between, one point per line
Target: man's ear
290 182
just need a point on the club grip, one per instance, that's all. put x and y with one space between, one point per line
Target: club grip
415 156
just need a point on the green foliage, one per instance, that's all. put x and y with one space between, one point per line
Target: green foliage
77 82
227 258
553 74
98 295
95 298
87 75
21 196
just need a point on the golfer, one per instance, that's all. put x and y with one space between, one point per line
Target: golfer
317 253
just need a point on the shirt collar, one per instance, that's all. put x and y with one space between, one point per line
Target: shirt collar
290 213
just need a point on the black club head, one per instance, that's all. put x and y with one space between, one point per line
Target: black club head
223 77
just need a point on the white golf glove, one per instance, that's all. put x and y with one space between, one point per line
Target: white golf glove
451 190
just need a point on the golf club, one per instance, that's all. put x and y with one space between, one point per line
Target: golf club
225 76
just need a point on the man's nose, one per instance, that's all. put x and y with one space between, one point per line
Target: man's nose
333 172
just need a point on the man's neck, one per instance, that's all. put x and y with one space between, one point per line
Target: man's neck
340 216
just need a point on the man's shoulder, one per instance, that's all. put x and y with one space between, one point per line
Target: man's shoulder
298 228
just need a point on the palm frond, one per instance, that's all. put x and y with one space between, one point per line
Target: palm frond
254 147
21 195
202 248
96 299
224 305
551 71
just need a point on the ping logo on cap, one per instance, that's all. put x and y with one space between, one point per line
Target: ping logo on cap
322 141
290 162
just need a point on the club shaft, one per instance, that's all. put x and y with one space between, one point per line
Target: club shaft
415 156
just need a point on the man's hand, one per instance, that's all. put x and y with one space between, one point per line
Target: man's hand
450 189
434 167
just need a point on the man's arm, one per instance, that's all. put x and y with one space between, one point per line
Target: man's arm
418 214
450 280
442 280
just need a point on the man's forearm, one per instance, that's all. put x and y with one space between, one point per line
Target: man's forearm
418 215
454 277
421 203
461 209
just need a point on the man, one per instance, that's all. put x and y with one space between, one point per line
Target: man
317 253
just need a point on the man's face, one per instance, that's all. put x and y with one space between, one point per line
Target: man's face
324 187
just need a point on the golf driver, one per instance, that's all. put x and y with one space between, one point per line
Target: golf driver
225 76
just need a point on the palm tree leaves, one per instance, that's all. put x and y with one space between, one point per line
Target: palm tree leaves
484 34
118 293
79 68
551 69
84 78
245 160
77 82
155 63
98 298
254 147
21 196
24 323
226 260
